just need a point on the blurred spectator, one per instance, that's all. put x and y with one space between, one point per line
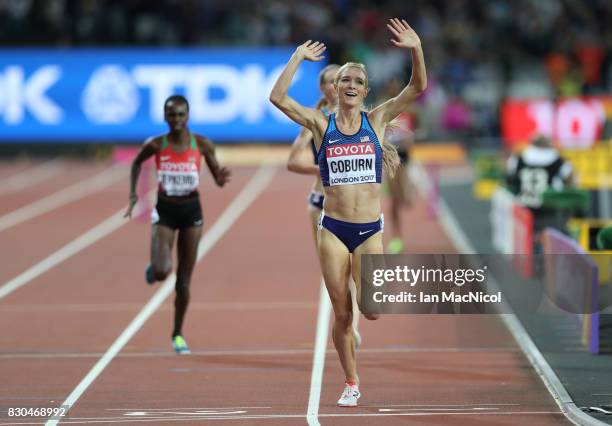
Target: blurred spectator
456 116
536 169
531 173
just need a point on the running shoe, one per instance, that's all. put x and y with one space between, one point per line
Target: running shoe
350 396
149 275
357 337
180 345
395 246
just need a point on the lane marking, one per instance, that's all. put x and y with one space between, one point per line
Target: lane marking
114 307
67 195
75 246
35 398
157 419
439 405
196 412
31 176
254 352
239 205
400 410
318 357
187 408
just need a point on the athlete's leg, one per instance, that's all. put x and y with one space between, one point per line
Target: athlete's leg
313 215
335 264
187 252
162 239
395 190
400 198
372 245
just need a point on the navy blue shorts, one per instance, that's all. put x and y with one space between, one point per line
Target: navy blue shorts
351 234
315 199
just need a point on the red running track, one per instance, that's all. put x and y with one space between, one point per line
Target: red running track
251 326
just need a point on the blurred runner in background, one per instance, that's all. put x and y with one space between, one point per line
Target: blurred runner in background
178 212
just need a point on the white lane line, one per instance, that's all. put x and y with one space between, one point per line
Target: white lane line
96 233
404 410
196 306
67 195
439 405
318 357
252 352
73 247
239 205
187 408
31 176
203 417
550 379
23 398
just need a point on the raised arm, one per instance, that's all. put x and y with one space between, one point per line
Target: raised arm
148 149
300 157
307 117
207 149
404 37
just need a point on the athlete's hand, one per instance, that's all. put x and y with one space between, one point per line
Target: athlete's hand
223 176
133 201
311 51
404 35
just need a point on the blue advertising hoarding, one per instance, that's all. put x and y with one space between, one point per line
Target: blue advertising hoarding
117 95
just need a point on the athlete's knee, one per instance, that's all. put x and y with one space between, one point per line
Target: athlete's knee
343 319
183 278
182 289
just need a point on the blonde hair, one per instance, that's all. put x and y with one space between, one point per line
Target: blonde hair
324 71
322 102
391 161
348 65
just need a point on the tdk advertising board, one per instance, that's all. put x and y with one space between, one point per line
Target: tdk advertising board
115 95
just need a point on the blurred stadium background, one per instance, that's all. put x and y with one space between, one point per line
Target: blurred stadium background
89 77
482 58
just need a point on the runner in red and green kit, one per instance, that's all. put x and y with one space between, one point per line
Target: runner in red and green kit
177 213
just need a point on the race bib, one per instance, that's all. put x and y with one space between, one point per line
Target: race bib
178 179
351 163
